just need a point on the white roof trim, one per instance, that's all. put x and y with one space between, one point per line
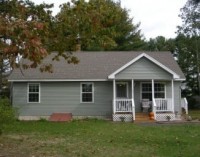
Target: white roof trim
57 80
175 76
180 79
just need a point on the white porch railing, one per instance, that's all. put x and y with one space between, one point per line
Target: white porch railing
163 105
184 104
122 105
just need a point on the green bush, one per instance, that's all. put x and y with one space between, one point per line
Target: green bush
7 113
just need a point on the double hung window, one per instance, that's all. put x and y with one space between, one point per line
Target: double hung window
159 90
33 92
87 92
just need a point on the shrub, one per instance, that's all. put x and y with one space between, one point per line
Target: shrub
7 113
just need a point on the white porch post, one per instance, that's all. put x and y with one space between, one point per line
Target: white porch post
152 84
114 95
153 100
132 88
133 104
172 96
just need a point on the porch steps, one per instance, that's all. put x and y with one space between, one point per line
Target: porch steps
142 118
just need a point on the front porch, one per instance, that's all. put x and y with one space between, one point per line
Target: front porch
128 97
124 110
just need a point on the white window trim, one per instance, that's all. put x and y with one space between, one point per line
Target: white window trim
82 92
28 93
127 89
154 91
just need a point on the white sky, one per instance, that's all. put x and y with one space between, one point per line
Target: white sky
157 17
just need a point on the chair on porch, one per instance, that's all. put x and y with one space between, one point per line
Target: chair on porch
145 105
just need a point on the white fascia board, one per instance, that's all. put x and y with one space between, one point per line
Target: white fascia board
181 79
175 76
57 80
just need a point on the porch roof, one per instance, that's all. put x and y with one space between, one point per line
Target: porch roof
93 66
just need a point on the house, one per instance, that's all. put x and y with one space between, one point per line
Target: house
113 85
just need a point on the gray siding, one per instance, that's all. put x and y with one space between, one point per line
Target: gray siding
144 69
177 97
177 94
64 97
137 97
168 89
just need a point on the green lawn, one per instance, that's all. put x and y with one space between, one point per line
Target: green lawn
195 114
98 138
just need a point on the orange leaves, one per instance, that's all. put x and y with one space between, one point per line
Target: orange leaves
39 25
35 41
24 32
10 49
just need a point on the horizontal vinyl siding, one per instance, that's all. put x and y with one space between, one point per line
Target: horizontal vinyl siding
137 97
177 97
168 86
64 97
19 95
177 94
144 69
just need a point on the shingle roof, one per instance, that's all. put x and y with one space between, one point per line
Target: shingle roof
92 65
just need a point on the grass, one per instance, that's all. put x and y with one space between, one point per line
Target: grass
195 114
99 138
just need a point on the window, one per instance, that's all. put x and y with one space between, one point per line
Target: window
34 92
121 90
147 91
159 90
87 92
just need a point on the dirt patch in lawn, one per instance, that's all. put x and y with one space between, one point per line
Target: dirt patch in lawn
180 122
27 145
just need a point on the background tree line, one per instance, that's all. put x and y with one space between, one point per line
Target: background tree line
32 32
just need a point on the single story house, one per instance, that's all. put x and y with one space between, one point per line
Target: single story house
116 85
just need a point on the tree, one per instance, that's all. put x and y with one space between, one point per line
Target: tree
4 73
24 33
190 15
187 61
160 43
188 42
98 25
23 29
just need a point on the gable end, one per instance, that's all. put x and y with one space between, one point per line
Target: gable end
175 76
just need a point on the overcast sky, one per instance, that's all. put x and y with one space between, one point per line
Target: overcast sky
157 17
